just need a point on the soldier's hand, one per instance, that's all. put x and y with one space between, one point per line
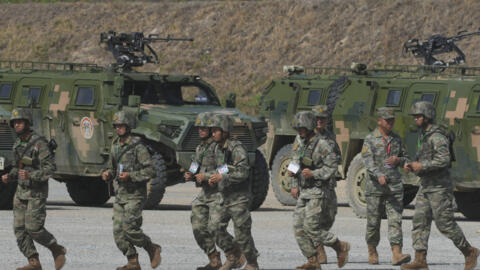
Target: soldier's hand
307 173
200 177
290 173
294 192
23 174
416 166
124 176
392 161
382 180
5 178
407 167
214 179
188 176
106 176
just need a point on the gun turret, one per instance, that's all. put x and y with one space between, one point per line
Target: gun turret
129 49
438 44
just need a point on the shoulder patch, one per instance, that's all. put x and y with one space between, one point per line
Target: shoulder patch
364 149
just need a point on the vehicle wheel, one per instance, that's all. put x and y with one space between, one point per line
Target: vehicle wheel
7 191
156 186
88 191
409 193
356 180
280 178
468 204
260 181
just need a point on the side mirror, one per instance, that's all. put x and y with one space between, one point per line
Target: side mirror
230 102
133 101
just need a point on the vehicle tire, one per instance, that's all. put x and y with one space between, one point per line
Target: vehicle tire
88 191
156 186
280 179
260 181
409 194
356 180
7 191
468 204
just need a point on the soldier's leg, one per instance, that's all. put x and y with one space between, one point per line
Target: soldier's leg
303 239
443 214
132 223
374 219
24 240
35 221
219 218
118 233
200 218
394 210
316 210
242 224
421 222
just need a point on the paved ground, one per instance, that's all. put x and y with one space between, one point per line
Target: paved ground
87 234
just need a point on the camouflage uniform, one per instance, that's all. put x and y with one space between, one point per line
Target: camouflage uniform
376 149
234 201
130 196
317 205
208 196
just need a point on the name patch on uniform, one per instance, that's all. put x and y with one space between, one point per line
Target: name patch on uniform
293 167
193 167
223 169
2 163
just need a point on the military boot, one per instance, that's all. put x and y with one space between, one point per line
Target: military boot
397 257
321 255
420 262
132 263
58 253
235 258
215 262
33 264
342 249
372 255
153 251
312 264
252 265
471 255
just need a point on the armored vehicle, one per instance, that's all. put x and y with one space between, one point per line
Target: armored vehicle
74 105
352 96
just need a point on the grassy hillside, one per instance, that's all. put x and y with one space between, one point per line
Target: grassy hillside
239 45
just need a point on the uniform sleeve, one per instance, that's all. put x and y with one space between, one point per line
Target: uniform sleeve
146 171
368 159
329 161
109 167
46 163
403 155
13 174
295 158
441 154
240 169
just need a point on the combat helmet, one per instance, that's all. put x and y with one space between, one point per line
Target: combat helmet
21 113
204 119
304 119
424 108
321 111
124 118
222 121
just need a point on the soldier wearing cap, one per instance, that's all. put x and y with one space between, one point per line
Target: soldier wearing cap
130 167
312 171
203 163
33 165
435 197
383 153
231 177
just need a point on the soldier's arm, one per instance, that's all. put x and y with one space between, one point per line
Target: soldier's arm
47 163
441 154
330 161
109 167
294 179
13 174
403 155
146 171
368 160
239 172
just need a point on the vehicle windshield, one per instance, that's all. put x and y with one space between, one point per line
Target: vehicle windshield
177 94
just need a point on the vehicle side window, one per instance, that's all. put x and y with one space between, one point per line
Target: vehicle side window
428 97
5 90
393 98
85 96
314 97
34 94
194 95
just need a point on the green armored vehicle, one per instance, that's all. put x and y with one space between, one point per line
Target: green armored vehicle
352 96
74 105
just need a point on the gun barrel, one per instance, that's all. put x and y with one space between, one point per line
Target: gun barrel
170 39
